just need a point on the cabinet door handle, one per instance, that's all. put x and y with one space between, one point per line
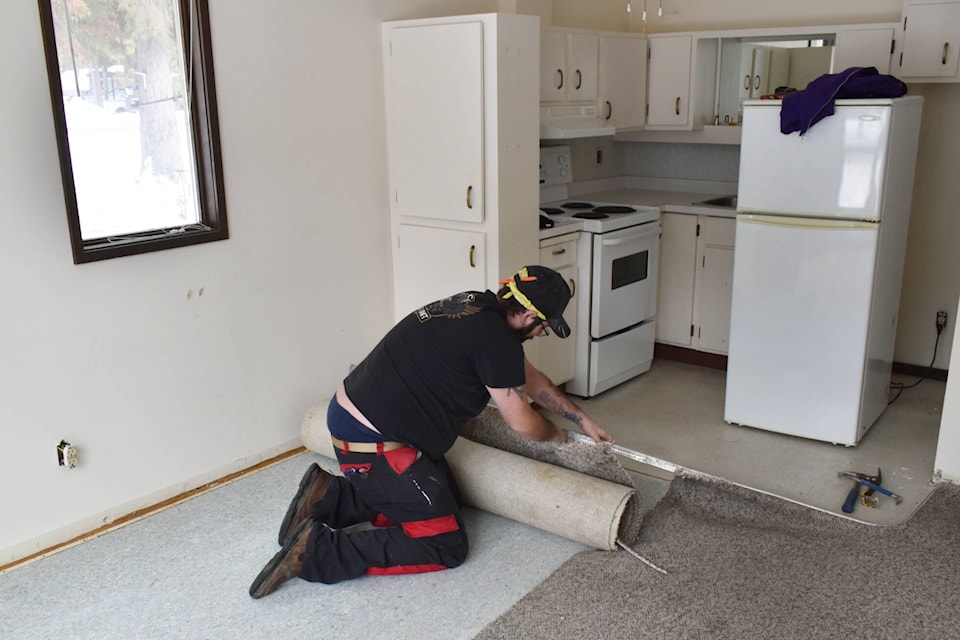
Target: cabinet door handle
676 106
943 58
609 110
473 248
756 83
469 194
558 252
579 80
573 288
746 82
560 76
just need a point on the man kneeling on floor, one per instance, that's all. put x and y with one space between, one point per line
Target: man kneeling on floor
395 415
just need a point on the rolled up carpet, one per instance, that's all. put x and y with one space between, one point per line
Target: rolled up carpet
569 503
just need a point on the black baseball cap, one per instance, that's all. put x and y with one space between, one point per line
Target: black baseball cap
543 291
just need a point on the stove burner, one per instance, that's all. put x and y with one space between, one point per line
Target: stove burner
590 215
552 210
577 205
613 208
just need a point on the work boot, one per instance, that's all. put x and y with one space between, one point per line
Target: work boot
286 564
313 486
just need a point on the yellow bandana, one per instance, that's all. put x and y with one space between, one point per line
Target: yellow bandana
516 293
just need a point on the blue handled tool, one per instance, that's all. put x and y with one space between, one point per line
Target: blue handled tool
872 483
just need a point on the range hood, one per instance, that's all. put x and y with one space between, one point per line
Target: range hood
572 121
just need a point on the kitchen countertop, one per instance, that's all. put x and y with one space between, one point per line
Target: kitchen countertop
666 201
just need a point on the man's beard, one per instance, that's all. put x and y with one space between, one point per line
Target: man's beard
525 332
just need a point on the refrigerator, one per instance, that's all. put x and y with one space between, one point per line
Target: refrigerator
821 235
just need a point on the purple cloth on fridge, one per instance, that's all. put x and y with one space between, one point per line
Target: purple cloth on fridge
801 110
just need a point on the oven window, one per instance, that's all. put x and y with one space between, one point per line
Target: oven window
629 269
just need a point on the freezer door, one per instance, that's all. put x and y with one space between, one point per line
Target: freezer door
835 170
799 328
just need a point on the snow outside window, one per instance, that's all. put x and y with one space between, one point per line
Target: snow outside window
134 106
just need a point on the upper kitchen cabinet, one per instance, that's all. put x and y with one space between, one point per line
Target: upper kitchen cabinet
568 65
870 46
462 115
623 79
931 40
434 80
681 77
668 81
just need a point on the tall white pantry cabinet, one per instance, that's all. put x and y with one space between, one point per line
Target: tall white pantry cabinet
462 100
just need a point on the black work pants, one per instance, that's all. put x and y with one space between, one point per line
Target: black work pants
412 503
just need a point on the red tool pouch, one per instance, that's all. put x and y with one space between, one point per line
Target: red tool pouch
401 459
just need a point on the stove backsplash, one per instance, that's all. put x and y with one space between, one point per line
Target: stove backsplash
662 160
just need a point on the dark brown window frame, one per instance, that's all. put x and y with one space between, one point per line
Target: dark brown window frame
206 129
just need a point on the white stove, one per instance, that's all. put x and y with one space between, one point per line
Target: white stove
618 255
598 217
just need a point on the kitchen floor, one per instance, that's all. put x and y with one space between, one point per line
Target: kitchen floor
674 412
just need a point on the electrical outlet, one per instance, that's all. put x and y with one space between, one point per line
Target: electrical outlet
941 320
66 454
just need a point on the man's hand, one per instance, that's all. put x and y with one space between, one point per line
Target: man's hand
594 430
546 394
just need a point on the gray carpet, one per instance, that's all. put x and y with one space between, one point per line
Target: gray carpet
184 573
746 565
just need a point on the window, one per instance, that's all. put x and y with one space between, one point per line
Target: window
134 106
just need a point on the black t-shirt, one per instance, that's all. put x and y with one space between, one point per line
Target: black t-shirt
430 372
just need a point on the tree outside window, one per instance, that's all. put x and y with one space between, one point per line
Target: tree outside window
134 105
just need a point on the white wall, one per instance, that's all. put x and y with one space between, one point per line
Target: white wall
700 15
948 445
160 388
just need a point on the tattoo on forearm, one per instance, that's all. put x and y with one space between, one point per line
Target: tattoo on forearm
549 401
517 390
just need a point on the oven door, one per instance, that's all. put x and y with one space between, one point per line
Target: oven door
624 291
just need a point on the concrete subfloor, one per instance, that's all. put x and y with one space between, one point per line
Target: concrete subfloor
675 412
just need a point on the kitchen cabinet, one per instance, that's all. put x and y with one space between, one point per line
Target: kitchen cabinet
931 42
455 263
681 81
694 289
668 80
463 184
556 357
863 47
568 66
623 79
434 90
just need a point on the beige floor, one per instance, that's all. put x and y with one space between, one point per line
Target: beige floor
675 412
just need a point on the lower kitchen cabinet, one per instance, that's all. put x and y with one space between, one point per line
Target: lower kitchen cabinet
432 263
696 274
556 357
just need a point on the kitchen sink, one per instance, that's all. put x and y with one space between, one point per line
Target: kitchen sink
722 201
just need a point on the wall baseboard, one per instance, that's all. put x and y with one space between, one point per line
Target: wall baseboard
920 371
718 361
689 356
86 529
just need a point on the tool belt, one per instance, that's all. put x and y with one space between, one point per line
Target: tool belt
367 447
